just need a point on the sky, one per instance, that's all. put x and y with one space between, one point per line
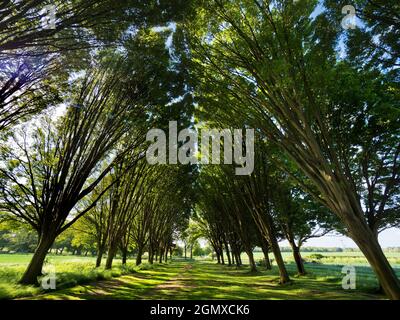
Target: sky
387 238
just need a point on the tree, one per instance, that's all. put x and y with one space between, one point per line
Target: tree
36 59
300 219
64 241
46 177
373 44
198 250
269 64
125 199
17 237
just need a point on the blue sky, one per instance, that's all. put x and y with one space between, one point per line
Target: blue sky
387 238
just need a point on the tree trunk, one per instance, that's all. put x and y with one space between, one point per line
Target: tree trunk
98 259
297 258
283 274
238 259
270 235
233 257
218 258
110 256
100 252
124 255
369 245
253 267
35 266
139 255
267 262
151 255
191 252
222 256
265 250
228 254
166 255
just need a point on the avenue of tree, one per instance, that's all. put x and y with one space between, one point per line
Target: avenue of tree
77 101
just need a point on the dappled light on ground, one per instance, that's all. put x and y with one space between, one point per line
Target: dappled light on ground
207 280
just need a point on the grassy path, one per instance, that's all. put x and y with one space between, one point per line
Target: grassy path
200 280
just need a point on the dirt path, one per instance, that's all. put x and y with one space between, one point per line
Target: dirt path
176 285
163 283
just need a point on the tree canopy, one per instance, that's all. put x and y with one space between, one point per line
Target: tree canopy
78 97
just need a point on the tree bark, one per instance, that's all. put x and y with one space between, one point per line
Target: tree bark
253 267
124 256
238 259
265 249
270 234
298 259
100 252
266 228
369 245
218 258
228 254
110 256
35 266
139 255
166 255
222 256
283 274
151 255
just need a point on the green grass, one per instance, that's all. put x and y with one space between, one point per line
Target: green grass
339 258
331 264
70 271
78 279
207 280
13 259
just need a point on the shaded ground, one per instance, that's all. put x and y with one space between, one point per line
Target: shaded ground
205 280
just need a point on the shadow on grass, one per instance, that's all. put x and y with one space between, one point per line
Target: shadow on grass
205 280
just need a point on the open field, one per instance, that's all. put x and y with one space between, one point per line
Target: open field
78 279
71 270
341 258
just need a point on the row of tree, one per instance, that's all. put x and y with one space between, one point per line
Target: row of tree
326 99
324 103
237 213
100 80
